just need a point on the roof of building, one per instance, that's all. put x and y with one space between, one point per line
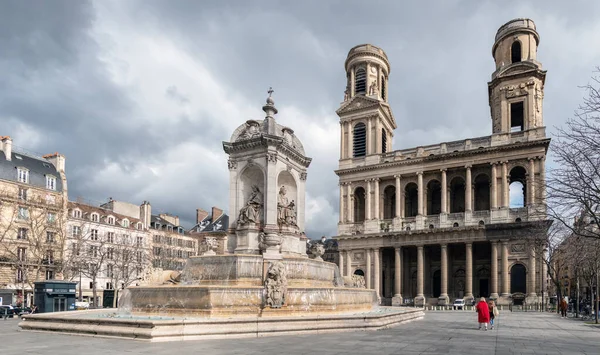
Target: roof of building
87 211
220 224
38 168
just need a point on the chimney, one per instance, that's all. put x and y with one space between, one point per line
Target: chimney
7 147
200 215
146 214
216 213
58 160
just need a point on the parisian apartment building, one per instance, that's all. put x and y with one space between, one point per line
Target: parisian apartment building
104 248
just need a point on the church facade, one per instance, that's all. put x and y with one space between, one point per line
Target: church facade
434 223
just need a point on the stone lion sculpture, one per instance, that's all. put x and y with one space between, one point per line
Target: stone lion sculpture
355 281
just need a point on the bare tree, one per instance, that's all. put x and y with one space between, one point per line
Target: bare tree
32 238
574 185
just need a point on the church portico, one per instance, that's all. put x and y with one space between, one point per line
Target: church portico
434 271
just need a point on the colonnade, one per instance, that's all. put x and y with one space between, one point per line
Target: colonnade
373 262
374 197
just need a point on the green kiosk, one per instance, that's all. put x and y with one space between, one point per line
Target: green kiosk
54 296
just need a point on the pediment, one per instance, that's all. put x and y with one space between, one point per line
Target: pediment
358 103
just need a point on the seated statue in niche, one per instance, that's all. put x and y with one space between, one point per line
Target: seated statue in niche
250 213
286 211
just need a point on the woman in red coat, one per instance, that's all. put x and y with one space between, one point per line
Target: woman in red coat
483 313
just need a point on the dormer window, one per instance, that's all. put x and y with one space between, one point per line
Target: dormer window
125 223
77 213
94 217
23 175
50 182
138 225
110 220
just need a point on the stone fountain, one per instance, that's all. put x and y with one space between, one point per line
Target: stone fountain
264 283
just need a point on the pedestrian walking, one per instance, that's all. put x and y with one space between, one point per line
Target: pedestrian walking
493 310
483 313
563 308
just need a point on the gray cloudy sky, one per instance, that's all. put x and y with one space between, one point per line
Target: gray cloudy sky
139 95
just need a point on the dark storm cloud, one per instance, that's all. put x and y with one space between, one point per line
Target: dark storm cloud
69 73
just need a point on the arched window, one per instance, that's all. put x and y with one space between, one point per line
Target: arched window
359 205
434 197
360 140
383 93
383 140
517 188
411 200
515 52
360 81
457 195
389 202
482 193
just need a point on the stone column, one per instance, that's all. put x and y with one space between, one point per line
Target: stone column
443 299
398 194
342 202
531 181
420 299
377 148
494 286
420 193
543 278
531 273
377 272
341 263
397 299
368 271
505 197
377 199
350 213
368 200
348 262
494 192
468 185
469 271
342 127
505 278
542 182
444 192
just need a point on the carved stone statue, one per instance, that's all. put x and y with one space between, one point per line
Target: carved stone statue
251 211
346 95
355 281
276 285
286 211
317 249
252 130
373 89
209 244
159 276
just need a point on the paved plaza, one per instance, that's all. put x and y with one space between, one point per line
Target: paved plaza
437 333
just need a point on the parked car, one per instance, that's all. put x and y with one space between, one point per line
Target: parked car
22 310
4 310
459 303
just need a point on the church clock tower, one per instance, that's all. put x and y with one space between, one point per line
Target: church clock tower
516 90
366 120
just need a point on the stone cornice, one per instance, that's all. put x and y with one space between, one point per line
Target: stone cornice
264 141
541 142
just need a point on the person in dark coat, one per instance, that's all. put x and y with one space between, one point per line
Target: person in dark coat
483 313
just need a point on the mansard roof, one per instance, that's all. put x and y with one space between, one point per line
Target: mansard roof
38 168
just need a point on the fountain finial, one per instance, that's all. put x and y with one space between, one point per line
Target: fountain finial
269 108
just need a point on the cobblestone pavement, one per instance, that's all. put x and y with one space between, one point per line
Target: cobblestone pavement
438 333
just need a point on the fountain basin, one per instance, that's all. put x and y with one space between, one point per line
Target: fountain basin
103 323
219 301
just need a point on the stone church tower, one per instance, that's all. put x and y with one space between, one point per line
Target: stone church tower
517 87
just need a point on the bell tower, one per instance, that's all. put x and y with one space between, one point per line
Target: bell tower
516 90
366 120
